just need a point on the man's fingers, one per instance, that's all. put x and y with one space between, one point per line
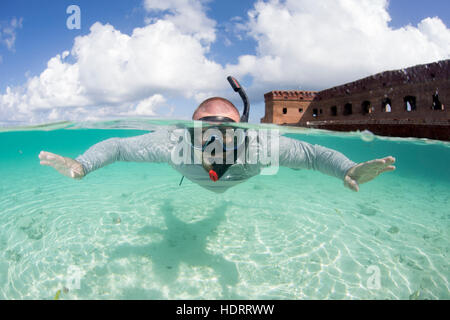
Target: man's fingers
50 163
48 160
47 156
351 184
388 168
382 162
44 155
389 160
367 171
377 164
52 157
379 170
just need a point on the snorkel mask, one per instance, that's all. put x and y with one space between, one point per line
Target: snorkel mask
227 137
219 146
216 170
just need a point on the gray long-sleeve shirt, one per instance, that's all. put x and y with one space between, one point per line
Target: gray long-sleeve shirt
160 145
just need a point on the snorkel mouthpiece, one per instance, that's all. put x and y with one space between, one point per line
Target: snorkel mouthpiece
213 175
215 170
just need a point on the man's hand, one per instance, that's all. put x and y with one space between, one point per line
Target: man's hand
66 166
367 171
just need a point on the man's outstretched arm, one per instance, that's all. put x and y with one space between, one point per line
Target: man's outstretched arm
151 147
301 155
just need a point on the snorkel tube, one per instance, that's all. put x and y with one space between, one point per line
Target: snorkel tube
237 88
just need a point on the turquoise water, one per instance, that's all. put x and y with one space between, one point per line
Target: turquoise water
128 231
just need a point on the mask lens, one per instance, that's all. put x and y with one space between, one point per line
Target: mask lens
233 138
230 138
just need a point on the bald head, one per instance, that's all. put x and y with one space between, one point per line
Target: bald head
216 107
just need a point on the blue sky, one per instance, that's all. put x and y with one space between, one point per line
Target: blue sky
224 34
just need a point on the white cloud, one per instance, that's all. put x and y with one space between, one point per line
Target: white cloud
115 67
8 32
187 15
147 106
116 73
316 44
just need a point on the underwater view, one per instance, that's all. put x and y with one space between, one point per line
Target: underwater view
131 231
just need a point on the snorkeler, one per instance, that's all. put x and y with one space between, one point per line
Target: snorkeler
208 148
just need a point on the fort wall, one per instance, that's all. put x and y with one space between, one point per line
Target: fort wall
286 107
407 102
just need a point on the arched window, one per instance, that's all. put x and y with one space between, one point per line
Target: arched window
366 108
348 109
410 103
315 113
386 105
437 105
333 110
284 110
